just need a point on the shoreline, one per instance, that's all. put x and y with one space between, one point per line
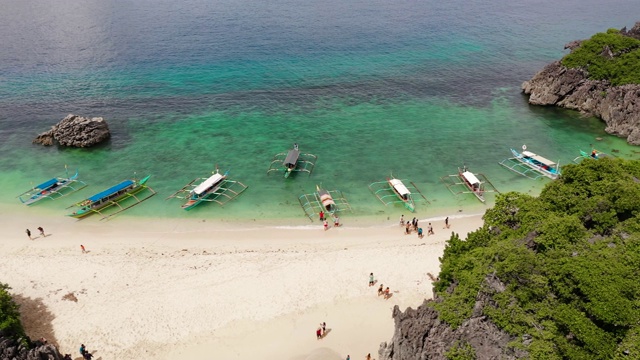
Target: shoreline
161 287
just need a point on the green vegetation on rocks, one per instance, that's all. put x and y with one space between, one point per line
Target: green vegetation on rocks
560 271
10 324
608 56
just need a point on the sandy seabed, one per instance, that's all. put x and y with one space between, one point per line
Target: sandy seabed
182 289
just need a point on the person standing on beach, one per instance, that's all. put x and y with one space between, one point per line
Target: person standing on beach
401 220
324 329
407 229
29 234
446 222
420 233
319 333
371 281
83 249
41 231
326 224
430 230
336 221
380 289
83 349
348 357
321 215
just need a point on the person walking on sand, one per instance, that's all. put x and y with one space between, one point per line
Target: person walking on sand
368 356
371 282
41 231
324 329
319 333
321 215
430 230
446 222
348 357
401 220
336 221
29 234
420 233
83 249
407 229
387 293
380 289
326 224
83 349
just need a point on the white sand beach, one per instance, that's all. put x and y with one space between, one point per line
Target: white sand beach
181 289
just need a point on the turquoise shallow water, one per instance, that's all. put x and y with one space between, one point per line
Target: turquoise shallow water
371 88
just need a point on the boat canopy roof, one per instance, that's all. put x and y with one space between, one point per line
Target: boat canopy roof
471 178
538 158
47 184
399 186
292 157
111 190
205 185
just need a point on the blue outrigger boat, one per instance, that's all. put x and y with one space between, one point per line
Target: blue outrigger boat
113 196
53 188
531 165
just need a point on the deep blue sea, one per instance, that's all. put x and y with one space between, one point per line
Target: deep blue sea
373 88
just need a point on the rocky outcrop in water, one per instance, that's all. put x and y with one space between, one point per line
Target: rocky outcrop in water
421 335
76 131
618 106
10 349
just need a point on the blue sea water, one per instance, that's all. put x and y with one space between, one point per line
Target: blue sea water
373 88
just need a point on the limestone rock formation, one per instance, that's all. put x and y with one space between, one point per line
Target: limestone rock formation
618 106
421 335
12 350
76 131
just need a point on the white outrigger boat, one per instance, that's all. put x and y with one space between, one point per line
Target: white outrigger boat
293 161
528 163
394 191
53 188
217 188
328 201
476 184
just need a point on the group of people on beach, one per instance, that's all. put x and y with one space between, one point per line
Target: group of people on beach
321 332
368 357
39 229
325 221
86 355
412 225
381 290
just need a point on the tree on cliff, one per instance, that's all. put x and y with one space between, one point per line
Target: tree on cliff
567 264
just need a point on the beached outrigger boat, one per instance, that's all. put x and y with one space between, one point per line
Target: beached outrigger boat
328 201
477 184
595 154
217 188
53 188
293 161
113 196
394 190
527 164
